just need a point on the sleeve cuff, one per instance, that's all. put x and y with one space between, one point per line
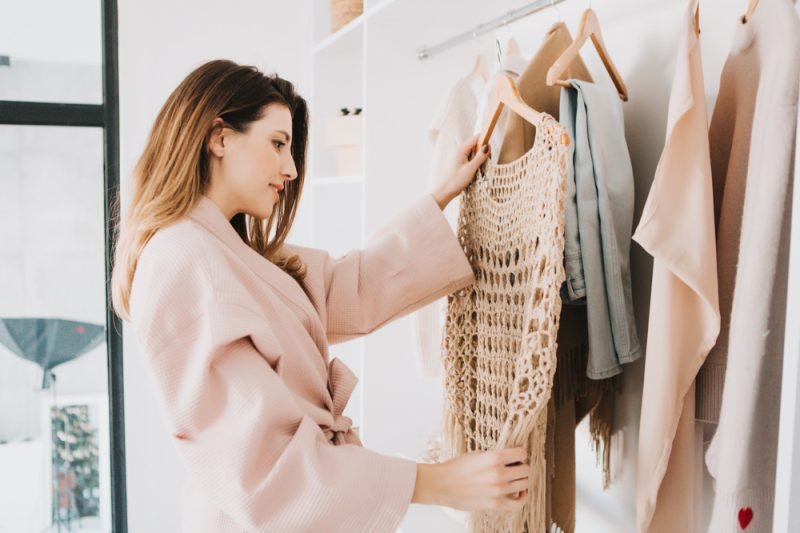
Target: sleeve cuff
449 255
401 475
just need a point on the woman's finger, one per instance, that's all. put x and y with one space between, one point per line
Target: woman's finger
512 473
511 455
512 502
468 146
515 487
479 159
486 151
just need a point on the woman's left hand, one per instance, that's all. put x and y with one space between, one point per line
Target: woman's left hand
461 171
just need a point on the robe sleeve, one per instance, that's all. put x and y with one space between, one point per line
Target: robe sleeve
413 260
249 449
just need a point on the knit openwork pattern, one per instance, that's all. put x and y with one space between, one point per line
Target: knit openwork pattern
500 333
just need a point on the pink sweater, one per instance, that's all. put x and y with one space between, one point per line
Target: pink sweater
238 352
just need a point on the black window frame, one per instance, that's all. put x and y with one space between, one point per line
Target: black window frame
105 116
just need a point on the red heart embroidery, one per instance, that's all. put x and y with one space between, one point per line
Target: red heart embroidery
79 329
745 516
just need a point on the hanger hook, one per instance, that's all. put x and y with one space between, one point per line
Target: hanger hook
558 11
476 37
507 28
509 35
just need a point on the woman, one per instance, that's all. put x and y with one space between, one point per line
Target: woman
235 324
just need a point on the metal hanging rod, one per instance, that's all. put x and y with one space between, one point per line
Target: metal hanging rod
515 14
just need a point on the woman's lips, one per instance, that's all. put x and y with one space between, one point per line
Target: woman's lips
276 188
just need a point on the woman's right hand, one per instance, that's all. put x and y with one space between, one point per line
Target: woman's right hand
463 166
492 480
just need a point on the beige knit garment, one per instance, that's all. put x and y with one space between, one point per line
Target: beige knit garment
500 333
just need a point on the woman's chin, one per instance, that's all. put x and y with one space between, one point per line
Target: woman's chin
266 208
265 214
262 210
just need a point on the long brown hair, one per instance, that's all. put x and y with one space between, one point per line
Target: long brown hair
173 170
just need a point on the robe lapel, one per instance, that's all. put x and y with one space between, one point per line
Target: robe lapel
206 213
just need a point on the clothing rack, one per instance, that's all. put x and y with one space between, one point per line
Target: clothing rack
425 52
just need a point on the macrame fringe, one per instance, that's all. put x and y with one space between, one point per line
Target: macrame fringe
571 382
600 432
550 446
531 517
570 373
454 443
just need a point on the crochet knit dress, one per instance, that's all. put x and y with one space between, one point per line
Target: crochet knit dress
499 343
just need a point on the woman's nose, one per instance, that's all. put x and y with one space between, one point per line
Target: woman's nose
290 170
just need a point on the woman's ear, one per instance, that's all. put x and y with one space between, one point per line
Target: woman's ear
216 139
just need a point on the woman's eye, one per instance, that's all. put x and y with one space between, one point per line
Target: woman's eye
279 144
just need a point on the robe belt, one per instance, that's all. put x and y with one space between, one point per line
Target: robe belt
341 382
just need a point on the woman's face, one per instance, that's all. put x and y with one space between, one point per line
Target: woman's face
250 169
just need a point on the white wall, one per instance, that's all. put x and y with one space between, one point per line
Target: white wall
159 44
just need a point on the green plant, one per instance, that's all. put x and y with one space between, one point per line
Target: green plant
76 483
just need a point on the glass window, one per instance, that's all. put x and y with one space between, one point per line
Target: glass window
54 434
51 51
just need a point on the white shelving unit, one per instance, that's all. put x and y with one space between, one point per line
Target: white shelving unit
371 63
337 223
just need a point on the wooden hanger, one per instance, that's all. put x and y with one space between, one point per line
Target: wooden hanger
512 48
697 21
505 93
480 68
751 7
589 27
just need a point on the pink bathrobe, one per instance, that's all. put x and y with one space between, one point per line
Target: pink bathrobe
238 352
